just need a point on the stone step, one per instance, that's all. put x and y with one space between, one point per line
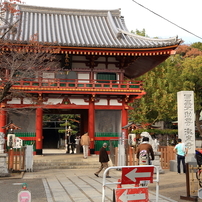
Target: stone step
65 165
45 167
61 161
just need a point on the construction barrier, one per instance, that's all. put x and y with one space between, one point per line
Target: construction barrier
139 177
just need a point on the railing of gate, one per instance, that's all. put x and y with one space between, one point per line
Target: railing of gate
76 84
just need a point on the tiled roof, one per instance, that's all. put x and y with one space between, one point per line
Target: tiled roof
79 28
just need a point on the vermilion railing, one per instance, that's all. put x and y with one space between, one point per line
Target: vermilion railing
79 84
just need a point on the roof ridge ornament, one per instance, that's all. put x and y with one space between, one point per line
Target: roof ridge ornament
115 29
147 38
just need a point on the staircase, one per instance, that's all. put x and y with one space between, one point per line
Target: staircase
64 161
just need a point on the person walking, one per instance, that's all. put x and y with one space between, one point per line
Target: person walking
145 152
85 142
72 142
78 146
181 150
103 159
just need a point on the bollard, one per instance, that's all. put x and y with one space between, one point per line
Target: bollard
24 195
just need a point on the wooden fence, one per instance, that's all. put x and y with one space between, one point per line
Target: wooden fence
16 159
167 154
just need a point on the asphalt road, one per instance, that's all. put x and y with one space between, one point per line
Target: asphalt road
11 187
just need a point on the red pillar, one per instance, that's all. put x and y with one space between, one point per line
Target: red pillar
91 124
39 130
2 120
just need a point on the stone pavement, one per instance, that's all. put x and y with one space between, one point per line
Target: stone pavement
75 185
81 185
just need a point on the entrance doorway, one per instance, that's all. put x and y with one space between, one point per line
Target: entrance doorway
52 137
56 123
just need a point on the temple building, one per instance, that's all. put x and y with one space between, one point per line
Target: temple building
99 58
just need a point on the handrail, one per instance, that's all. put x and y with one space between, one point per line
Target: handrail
77 84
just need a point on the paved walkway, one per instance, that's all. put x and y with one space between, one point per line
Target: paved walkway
81 185
68 185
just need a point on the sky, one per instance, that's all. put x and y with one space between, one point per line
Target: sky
186 14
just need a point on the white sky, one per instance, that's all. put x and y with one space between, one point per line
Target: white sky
184 13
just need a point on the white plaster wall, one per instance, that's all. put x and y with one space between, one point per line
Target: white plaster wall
101 102
76 57
112 67
115 103
26 119
101 66
78 65
14 101
78 101
112 59
27 101
49 75
83 76
53 101
108 121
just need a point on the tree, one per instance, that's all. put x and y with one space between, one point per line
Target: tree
181 72
191 76
72 120
197 45
5 25
160 88
20 63
188 51
140 32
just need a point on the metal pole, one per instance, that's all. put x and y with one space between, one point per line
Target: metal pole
66 135
157 183
103 184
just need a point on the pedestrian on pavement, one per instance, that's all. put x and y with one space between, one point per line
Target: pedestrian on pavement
85 142
73 142
103 159
78 144
181 150
145 152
